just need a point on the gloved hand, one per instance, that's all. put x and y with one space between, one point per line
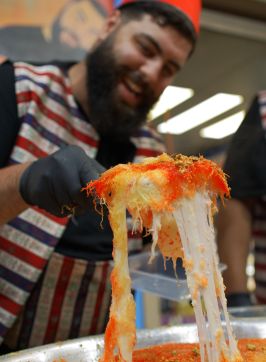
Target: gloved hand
54 183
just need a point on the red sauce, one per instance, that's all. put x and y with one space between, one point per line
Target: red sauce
184 176
252 350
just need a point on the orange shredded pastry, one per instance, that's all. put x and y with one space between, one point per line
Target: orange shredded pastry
189 352
174 198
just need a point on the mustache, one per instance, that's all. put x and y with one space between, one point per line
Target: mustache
136 77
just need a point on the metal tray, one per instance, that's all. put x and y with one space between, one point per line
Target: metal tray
89 349
248 312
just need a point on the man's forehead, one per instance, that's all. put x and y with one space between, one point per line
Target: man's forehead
148 24
146 20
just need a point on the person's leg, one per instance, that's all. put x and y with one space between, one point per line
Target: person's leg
234 228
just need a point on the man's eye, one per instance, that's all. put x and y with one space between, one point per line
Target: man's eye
168 71
146 50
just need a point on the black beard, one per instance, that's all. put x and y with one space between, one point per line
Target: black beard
108 114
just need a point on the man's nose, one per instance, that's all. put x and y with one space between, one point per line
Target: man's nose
151 71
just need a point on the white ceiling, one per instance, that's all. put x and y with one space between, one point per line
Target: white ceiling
230 57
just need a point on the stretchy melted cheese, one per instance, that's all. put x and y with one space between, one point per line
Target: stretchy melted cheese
174 198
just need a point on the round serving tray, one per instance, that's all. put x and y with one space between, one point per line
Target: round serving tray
89 349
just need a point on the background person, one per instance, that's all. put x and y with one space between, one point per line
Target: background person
66 33
243 219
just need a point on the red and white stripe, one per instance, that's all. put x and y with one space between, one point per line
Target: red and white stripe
22 240
59 293
262 102
24 253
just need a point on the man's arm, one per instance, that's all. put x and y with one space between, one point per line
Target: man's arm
52 183
233 225
11 202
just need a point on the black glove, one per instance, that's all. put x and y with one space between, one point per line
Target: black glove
54 183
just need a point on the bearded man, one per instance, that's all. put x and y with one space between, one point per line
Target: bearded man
59 129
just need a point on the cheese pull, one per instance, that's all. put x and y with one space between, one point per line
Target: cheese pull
174 199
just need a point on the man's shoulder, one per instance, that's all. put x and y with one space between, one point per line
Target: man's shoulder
149 141
9 121
261 99
40 68
6 66
147 131
40 76
7 79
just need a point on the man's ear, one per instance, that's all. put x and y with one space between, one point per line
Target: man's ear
112 21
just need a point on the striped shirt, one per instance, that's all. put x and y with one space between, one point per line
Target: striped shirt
50 118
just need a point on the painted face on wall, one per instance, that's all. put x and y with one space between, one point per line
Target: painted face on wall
80 24
128 71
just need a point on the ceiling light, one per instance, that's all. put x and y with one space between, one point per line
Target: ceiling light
170 98
223 128
201 113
